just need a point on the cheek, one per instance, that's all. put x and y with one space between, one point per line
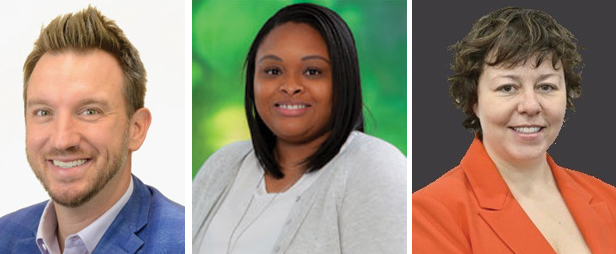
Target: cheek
491 114
35 137
259 96
104 136
559 110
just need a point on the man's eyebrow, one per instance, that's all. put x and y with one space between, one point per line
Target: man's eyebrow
273 57
36 102
310 57
90 101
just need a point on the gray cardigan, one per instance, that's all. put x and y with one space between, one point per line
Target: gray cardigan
357 205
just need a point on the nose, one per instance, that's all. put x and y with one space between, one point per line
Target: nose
65 135
292 85
529 103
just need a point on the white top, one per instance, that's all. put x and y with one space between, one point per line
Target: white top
83 241
357 205
250 219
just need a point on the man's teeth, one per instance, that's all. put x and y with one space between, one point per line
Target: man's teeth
291 107
68 164
527 130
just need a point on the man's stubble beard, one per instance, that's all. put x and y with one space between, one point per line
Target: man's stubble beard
97 181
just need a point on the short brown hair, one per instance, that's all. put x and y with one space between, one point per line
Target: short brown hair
83 32
511 36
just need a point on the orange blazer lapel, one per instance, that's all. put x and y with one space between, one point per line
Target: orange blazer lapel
498 207
590 212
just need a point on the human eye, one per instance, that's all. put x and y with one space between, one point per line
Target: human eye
90 113
506 88
312 72
547 87
42 112
272 71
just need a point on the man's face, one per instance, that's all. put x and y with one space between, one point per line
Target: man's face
76 124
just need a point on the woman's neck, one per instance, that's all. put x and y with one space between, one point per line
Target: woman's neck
291 156
526 177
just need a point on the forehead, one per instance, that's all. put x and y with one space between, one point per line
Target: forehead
62 75
292 37
534 63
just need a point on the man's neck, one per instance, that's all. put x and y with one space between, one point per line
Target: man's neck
71 220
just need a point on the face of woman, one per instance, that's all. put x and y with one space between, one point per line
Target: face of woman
521 109
293 83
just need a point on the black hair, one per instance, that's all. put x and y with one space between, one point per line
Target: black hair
346 114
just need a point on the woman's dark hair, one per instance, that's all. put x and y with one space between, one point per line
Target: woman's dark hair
511 36
346 114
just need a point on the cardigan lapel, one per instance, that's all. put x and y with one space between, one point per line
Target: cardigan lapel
590 213
497 205
121 236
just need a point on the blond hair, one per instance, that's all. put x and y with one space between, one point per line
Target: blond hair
83 32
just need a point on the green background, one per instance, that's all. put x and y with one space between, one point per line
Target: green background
221 36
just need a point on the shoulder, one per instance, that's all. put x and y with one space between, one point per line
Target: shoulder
448 186
451 192
442 213
217 171
20 224
230 152
164 210
370 170
373 148
367 155
593 185
223 158
165 225
448 202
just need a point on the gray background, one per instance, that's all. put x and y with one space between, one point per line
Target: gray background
439 141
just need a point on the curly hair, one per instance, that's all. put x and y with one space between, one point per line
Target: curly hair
510 36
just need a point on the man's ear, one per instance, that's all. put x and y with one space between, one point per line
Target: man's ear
138 128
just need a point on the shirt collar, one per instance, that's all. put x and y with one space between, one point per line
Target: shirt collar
46 237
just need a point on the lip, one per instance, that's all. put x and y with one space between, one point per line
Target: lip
291 108
528 132
74 171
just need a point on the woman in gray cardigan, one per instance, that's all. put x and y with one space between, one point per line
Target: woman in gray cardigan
310 180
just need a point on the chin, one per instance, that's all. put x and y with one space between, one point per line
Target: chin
529 153
71 197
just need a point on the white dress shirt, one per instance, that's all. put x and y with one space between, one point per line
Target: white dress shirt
83 241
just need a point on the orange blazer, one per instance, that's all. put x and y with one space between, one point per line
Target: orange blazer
471 210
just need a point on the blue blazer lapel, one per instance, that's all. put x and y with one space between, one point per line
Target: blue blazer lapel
121 236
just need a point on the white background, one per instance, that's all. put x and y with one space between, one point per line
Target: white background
157 30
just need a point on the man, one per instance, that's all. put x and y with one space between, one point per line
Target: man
84 89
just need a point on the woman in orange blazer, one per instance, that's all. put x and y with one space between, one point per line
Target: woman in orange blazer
515 76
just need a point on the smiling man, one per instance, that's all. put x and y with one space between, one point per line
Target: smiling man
84 89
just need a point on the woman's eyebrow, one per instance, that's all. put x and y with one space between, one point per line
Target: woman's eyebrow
273 57
310 57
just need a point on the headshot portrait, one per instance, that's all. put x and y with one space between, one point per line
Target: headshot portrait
85 87
310 174
511 82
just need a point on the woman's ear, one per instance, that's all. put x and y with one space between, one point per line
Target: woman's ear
138 128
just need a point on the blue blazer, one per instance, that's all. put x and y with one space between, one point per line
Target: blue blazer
148 223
